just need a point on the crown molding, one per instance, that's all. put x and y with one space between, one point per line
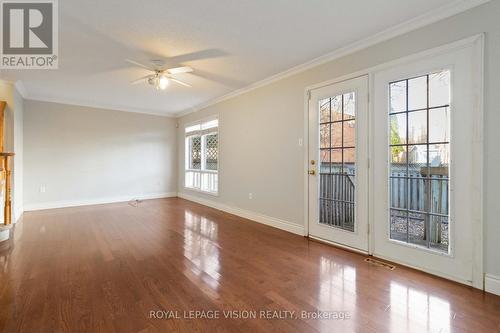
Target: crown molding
21 88
428 18
97 105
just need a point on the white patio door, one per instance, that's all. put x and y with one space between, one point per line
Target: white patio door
427 164
338 169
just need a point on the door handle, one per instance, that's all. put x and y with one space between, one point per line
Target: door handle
312 172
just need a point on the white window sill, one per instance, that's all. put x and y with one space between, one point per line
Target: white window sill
202 171
214 194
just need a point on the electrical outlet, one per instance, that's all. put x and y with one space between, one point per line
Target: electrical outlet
250 196
42 188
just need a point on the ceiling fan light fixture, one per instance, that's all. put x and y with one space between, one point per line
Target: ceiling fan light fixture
160 78
163 82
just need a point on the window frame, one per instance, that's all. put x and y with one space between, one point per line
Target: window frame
203 133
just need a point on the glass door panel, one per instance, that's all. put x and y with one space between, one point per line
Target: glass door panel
338 161
419 148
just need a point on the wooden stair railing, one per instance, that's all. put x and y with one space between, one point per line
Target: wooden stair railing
5 170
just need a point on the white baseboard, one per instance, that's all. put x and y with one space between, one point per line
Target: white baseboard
264 219
492 284
18 212
4 234
87 202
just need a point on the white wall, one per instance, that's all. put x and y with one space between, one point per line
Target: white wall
260 129
19 157
84 155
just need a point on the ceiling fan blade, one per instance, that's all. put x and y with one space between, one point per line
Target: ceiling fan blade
139 80
180 82
139 64
178 70
220 79
193 56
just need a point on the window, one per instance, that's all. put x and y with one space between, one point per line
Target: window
419 150
202 156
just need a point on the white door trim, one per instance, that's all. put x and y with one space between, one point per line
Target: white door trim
478 42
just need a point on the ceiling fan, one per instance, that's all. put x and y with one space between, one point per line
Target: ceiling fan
160 78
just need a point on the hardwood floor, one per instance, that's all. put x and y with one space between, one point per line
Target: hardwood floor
115 268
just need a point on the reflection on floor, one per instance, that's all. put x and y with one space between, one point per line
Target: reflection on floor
172 265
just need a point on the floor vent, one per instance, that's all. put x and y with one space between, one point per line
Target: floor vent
380 263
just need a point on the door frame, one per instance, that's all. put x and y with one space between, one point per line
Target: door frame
477 41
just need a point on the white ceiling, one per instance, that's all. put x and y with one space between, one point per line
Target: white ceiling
229 44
